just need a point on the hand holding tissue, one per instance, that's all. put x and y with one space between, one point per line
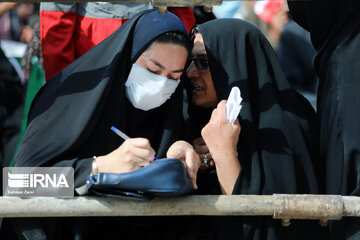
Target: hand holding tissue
233 105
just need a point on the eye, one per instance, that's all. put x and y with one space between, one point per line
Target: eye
152 71
203 62
175 78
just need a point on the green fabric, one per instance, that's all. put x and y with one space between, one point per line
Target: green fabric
35 82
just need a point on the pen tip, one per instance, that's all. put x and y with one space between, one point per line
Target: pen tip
112 128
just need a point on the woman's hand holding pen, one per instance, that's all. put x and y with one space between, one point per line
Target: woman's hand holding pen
183 150
132 154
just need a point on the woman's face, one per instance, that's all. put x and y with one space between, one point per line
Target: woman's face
203 91
159 59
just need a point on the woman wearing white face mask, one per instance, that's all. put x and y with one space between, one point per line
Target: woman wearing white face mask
129 81
147 90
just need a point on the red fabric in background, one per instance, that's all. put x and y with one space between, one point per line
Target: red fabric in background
66 36
57 29
93 31
186 14
270 9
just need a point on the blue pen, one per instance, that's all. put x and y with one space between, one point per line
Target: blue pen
123 135
120 133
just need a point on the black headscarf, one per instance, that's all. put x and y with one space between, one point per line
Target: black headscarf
278 143
324 19
70 118
334 26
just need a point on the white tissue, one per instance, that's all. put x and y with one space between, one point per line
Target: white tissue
233 105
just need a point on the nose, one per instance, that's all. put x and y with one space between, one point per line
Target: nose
192 71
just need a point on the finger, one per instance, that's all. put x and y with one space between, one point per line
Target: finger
139 142
204 131
237 126
192 162
189 168
222 109
193 179
175 153
142 153
221 106
213 115
140 161
142 143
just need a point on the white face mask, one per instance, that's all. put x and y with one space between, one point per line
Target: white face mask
146 90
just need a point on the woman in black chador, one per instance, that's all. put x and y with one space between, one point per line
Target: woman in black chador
272 146
334 26
130 80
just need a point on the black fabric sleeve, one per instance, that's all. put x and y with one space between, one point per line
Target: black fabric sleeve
82 169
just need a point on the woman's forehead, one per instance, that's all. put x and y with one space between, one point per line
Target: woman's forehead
162 55
162 49
198 45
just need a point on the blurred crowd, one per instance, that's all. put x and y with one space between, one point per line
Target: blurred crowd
20 51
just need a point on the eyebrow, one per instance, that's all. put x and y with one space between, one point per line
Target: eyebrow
162 67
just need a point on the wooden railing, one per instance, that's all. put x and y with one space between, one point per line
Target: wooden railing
280 206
